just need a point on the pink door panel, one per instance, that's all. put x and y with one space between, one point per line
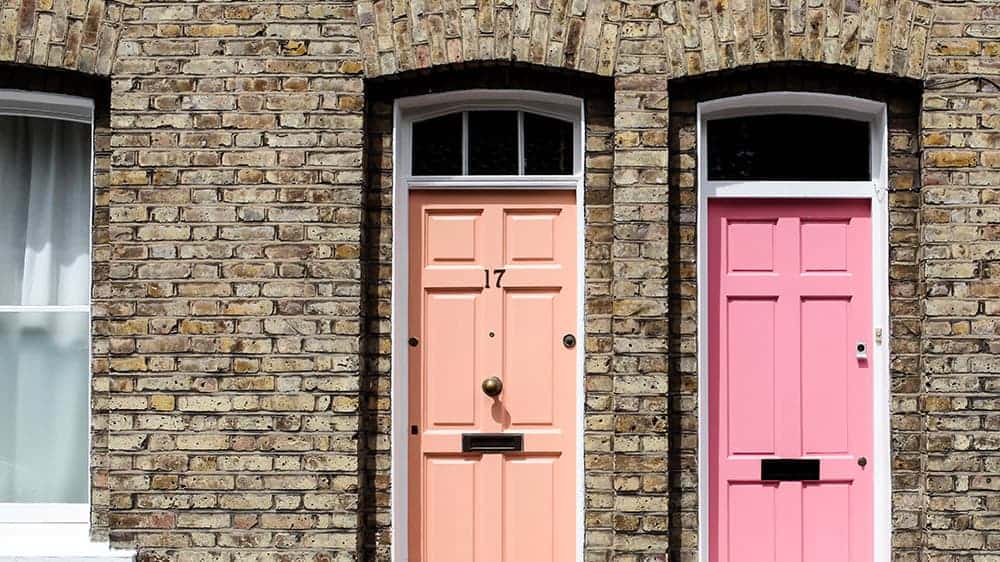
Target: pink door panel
790 297
492 292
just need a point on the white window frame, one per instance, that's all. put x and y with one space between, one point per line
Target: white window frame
874 190
418 108
14 517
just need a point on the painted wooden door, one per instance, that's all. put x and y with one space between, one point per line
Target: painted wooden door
790 287
492 293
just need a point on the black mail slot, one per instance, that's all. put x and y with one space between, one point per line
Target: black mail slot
492 442
789 469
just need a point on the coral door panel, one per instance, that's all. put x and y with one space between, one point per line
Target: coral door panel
790 380
492 293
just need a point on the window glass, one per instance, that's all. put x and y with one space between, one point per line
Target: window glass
44 323
789 147
493 143
437 146
548 145
43 409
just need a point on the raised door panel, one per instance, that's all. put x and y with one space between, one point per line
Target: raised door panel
529 363
451 355
750 376
531 509
450 518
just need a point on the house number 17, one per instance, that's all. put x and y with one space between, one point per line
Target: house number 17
498 273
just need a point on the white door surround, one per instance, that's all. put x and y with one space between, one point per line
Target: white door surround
875 190
405 112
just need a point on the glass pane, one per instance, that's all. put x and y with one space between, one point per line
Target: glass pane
437 146
788 147
493 142
43 407
548 145
44 211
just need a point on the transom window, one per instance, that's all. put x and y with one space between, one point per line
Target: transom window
492 143
785 147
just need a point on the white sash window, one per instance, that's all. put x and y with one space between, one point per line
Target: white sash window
45 215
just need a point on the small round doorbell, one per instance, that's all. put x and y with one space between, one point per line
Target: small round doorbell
861 350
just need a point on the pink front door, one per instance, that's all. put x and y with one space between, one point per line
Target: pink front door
492 293
790 293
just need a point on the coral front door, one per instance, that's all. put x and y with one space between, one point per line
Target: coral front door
492 376
790 380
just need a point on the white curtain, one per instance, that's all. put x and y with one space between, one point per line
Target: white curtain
44 211
44 262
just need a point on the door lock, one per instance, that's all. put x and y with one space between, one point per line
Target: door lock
862 461
492 387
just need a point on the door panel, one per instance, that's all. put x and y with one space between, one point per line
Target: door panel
450 537
492 292
529 331
751 527
825 333
531 508
789 298
452 354
751 376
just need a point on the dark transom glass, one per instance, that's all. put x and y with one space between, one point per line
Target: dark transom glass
548 145
437 146
492 143
786 147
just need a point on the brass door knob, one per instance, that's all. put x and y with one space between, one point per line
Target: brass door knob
492 386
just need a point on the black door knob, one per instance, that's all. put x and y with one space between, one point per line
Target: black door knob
862 461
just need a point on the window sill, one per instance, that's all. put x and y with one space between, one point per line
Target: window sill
55 542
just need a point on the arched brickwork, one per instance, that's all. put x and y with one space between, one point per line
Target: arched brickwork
673 37
579 34
885 36
80 35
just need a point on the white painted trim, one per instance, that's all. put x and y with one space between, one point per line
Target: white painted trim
47 106
55 542
493 182
405 110
44 308
77 109
876 191
44 512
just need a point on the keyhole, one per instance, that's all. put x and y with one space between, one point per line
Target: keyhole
862 462
492 334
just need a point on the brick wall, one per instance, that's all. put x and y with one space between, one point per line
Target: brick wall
241 298
235 226
960 240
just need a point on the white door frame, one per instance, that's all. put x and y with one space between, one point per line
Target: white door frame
416 108
874 190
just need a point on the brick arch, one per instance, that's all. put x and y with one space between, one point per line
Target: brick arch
77 35
401 35
674 37
883 36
